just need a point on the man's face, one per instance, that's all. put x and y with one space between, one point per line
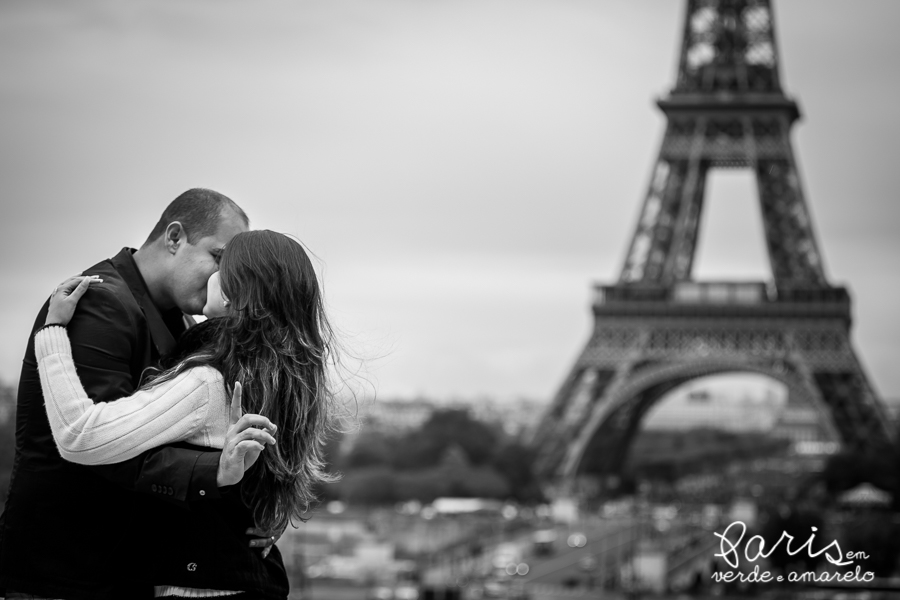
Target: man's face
193 264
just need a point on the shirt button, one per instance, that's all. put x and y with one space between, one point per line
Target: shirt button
202 492
153 487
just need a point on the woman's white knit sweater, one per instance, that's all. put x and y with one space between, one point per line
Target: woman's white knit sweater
193 407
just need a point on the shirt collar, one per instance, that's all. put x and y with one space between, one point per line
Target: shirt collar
164 326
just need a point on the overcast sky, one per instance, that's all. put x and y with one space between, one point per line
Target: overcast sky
465 170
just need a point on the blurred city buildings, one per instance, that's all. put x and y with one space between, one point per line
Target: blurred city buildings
397 415
739 406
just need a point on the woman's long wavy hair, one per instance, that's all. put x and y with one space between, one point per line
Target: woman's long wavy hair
278 343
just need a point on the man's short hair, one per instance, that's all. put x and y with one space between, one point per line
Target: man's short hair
199 211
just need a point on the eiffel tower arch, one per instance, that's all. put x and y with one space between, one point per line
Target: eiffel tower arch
656 328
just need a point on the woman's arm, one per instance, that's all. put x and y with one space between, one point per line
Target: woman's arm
122 430
111 432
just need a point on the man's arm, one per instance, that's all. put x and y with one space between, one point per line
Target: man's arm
191 471
109 353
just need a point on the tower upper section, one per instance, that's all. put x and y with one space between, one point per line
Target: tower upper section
728 47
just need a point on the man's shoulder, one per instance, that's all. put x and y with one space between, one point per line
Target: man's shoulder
114 289
107 271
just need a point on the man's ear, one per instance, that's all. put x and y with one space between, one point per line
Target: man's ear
174 237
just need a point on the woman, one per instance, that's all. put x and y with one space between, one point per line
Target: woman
271 335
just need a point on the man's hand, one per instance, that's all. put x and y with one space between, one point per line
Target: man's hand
264 539
244 440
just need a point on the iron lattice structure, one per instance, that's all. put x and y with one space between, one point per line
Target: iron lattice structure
656 329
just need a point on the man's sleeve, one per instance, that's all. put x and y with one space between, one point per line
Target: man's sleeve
109 355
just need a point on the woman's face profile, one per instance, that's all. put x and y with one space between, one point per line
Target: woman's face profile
216 303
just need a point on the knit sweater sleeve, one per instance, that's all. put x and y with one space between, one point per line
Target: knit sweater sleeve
109 432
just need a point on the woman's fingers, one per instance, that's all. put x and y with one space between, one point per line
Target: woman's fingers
245 446
263 539
251 433
247 451
236 402
254 420
70 285
248 434
242 449
80 289
239 453
66 285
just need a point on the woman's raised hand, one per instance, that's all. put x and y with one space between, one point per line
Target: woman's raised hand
66 296
244 441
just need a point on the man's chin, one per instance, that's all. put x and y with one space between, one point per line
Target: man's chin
194 310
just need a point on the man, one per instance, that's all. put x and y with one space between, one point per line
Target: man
67 530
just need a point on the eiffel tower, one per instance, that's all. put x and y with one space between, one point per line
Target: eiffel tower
656 328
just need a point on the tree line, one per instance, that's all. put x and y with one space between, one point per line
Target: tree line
451 454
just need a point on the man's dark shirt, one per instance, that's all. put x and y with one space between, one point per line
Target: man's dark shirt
69 530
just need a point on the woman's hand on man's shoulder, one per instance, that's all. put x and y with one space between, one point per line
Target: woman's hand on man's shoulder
65 298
